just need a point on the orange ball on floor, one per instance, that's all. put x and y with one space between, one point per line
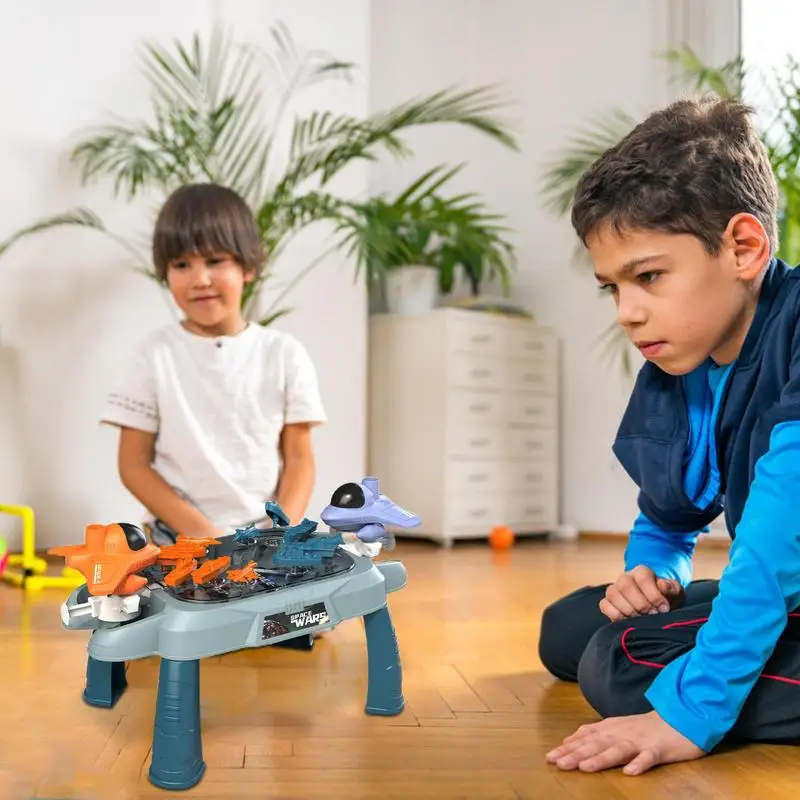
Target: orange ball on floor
501 537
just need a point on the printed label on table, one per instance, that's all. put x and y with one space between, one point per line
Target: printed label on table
280 624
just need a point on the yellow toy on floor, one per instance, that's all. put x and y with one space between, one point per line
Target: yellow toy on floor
26 569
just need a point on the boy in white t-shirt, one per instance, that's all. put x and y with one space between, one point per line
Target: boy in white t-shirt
215 413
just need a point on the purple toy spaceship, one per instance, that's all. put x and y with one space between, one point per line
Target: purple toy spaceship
361 508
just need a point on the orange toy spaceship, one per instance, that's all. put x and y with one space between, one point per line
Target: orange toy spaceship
110 557
183 569
210 570
185 547
244 575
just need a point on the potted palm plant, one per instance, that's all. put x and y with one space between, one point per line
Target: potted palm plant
779 130
415 244
217 114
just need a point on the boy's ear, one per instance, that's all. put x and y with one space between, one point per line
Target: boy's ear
749 243
249 275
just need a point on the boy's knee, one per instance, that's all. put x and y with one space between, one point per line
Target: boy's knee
555 650
567 625
603 675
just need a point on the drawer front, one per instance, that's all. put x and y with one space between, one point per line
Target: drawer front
469 442
533 511
476 336
478 511
470 409
465 371
533 375
531 410
464 476
530 343
532 445
531 476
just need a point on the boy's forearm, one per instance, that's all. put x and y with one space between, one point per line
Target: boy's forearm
295 487
158 497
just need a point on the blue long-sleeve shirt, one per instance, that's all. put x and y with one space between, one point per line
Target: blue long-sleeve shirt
701 693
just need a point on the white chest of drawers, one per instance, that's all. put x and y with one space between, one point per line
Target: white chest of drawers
463 421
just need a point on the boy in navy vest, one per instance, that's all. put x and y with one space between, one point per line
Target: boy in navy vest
680 221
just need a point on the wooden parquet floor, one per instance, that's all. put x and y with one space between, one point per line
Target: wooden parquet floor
481 712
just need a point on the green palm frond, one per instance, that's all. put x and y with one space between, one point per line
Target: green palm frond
616 348
563 172
333 143
82 217
279 217
725 81
275 315
212 115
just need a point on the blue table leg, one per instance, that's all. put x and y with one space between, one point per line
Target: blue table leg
177 761
385 678
105 682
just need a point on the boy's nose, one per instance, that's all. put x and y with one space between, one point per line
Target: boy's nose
630 313
201 276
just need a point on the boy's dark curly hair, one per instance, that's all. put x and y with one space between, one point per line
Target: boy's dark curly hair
685 169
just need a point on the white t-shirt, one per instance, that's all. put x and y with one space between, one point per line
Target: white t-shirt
218 406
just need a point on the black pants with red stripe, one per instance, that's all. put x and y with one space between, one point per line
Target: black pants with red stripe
615 662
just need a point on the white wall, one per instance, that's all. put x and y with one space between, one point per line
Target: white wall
67 309
561 63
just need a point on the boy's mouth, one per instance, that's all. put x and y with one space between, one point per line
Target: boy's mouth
204 298
650 349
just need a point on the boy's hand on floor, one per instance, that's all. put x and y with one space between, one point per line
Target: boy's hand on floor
640 592
637 743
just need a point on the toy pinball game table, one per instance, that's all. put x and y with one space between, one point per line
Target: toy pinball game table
207 597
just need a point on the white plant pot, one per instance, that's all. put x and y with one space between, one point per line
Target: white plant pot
412 289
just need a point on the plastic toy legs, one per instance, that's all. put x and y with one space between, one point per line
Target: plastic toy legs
105 682
177 761
385 679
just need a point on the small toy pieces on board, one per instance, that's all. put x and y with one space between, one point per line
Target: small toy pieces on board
119 563
501 537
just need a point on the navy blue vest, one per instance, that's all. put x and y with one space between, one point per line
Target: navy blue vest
762 390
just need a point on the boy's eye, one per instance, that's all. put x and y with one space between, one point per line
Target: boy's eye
607 288
647 277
